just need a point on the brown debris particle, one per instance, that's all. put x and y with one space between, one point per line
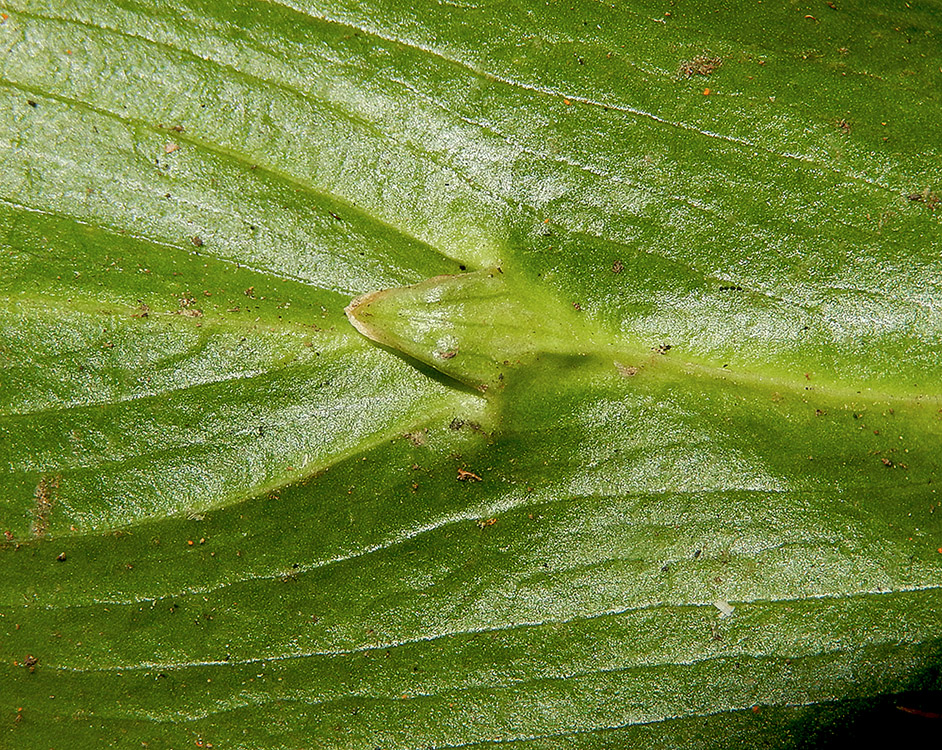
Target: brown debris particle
450 354
467 476
918 711
30 662
45 495
197 241
61 557
618 266
626 371
417 438
843 125
701 65
170 148
928 197
186 307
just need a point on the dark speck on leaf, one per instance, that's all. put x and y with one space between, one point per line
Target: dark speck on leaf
31 103
701 65
928 197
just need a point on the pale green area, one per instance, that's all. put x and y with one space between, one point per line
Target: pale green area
477 327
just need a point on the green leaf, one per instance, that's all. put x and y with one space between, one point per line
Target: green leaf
474 327
640 447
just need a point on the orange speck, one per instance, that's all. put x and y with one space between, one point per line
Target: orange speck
4 17
706 92
755 709
546 221
467 476
68 52
939 550
567 102
807 376
170 148
190 542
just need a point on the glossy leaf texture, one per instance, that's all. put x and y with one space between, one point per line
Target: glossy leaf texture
643 441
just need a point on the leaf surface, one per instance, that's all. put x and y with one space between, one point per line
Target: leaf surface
640 447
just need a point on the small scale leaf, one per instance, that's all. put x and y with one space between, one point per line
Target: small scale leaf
474 327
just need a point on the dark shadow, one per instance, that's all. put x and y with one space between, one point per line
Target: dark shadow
911 718
427 370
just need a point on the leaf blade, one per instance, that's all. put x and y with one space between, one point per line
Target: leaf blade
779 457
